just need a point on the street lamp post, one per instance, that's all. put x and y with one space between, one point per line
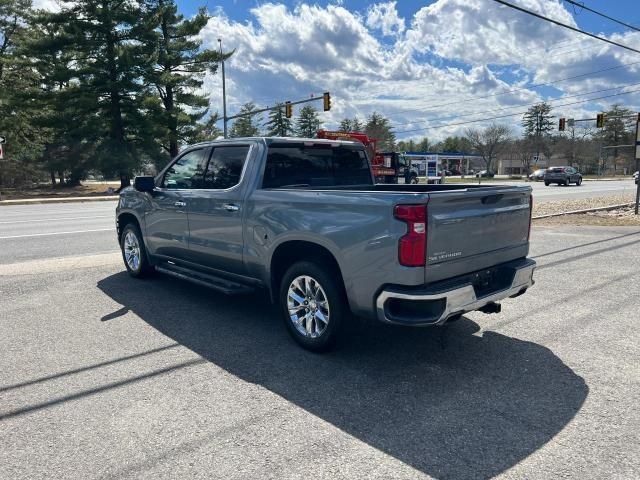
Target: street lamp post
224 93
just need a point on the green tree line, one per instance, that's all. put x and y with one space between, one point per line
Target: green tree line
104 85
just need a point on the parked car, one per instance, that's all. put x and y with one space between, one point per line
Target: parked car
562 176
303 220
485 174
538 175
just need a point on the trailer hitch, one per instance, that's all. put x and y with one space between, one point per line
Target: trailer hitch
491 307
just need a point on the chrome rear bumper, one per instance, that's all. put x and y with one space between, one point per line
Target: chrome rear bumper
457 300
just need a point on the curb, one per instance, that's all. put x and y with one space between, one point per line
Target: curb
32 201
606 179
586 210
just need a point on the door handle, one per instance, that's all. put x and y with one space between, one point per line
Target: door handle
230 207
180 204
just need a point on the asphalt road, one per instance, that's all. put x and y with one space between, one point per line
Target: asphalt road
32 231
104 376
588 189
60 229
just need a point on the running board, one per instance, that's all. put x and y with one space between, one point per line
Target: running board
217 283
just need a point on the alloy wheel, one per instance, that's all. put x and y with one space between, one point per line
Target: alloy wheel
308 306
132 251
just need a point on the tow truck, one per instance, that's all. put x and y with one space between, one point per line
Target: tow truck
387 167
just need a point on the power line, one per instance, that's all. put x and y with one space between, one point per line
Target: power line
482 97
583 6
529 12
515 114
523 104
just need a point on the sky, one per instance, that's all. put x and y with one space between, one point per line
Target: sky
434 68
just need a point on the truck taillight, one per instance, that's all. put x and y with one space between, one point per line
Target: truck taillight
412 247
530 216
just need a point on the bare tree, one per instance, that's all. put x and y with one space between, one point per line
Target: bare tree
487 142
525 154
576 136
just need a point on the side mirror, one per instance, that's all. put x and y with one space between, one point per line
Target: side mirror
144 184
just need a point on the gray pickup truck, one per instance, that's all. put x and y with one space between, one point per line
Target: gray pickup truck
303 219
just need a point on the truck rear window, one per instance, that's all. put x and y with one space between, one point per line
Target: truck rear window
297 165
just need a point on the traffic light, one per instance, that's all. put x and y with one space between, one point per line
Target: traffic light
600 120
327 101
561 124
288 109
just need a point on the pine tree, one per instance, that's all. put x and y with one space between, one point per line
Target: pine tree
179 72
208 130
345 125
308 122
246 126
357 125
114 49
538 120
17 107
424 145
351 125
278 124
378 127
406 146
618 127
13 16
49 52
538 125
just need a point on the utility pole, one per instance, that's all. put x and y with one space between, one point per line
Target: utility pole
224 93
637 162
538 128
2 142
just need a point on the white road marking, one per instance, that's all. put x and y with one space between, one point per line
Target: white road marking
53 265
113 229
53 219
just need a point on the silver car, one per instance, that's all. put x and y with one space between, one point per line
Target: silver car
562 176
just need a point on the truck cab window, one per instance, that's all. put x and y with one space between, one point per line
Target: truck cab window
185 171
315 166
225 167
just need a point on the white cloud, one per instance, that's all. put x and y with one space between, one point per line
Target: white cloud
49 5
384 16
448 66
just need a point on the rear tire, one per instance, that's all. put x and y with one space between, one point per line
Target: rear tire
134 252
313 305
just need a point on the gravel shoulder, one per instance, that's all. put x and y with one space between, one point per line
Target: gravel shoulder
618 217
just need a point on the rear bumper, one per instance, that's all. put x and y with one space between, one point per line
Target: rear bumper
556 178
434 304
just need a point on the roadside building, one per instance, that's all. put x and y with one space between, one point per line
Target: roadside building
429 164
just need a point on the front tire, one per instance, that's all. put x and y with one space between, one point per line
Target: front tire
134 252
313 305
546 184
579 182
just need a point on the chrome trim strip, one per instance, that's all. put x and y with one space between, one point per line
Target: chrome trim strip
458 300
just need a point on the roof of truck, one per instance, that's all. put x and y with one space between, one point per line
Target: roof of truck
273 140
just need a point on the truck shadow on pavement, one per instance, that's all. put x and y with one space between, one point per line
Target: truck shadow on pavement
469 408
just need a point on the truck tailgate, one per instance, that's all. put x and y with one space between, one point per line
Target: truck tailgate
476 228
